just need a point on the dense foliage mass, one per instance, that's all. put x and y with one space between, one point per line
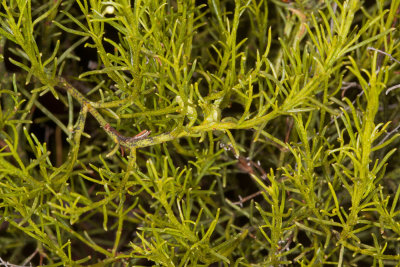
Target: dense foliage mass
198 133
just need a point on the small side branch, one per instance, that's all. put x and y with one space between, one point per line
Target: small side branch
384 53
140 140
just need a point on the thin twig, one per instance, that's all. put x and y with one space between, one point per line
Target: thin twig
30 257
389 134
384 53
140 140
348 85
7 264
249 197
392 88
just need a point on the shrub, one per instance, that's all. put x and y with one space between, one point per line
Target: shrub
240 133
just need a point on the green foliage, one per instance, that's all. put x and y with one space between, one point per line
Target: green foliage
232 133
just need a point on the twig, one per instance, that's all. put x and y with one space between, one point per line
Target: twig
249 197
7 264
392 88
30 257
389 134
140 140
384 53
347 85
126 140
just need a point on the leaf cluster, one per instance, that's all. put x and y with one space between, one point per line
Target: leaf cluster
225 133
